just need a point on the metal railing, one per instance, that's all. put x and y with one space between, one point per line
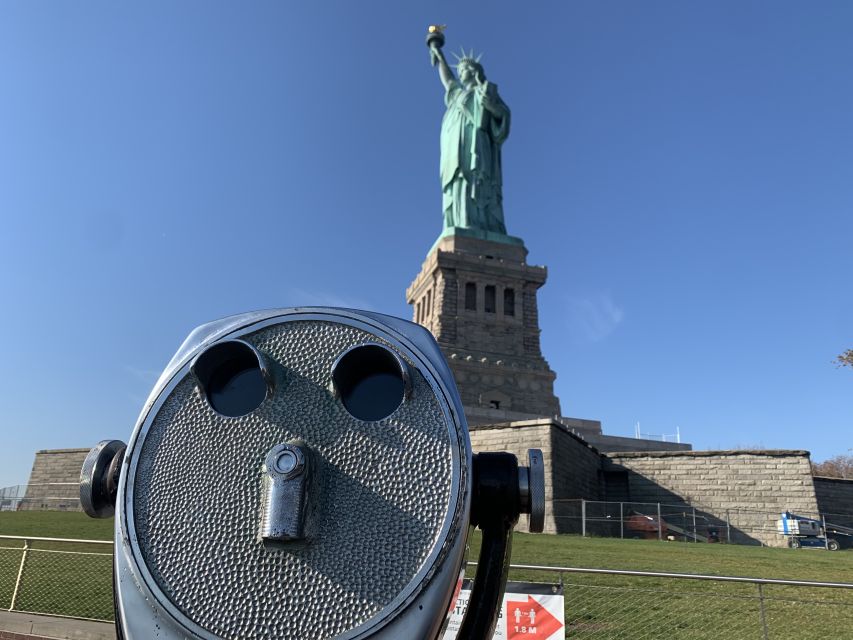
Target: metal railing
41 496
73 578
57 576
681 521
10 497
645 605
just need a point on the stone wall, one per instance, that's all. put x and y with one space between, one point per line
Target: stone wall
747 489
54 481
577 475
572 467
835 500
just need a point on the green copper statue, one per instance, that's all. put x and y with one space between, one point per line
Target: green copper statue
472 131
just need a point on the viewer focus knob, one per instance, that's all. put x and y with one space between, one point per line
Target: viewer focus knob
99 478
531 488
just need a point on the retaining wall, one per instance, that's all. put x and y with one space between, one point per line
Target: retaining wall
54 481
748 489
835 499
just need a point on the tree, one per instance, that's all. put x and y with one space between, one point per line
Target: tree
845 359
840 466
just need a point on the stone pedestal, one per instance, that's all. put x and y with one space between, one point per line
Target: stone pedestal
478 298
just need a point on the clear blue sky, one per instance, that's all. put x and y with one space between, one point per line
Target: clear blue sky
685 170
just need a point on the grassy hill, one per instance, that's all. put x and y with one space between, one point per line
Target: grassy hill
597 606
566 551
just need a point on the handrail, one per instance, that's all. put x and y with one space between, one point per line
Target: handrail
56 539
547 568
687 576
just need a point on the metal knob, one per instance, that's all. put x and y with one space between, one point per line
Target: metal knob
284 500
531 489
99 478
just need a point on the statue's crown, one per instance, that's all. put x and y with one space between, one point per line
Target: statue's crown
466 58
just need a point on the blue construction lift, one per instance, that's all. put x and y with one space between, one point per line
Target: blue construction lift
808 533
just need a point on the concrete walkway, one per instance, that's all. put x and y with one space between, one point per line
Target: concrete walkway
20 626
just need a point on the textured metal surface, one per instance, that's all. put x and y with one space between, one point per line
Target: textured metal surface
385 495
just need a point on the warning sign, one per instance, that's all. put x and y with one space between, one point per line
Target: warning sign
531 619
530 611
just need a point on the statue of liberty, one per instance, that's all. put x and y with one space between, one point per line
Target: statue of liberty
473 129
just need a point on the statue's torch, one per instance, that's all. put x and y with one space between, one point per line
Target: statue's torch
435 41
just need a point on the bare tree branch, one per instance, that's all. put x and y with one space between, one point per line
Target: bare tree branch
840 466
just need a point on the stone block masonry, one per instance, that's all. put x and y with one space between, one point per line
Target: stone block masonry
835 500
54 481
478 298
749 489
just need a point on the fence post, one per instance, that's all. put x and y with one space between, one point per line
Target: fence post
728 529
20 574
695 539
761 612
583 518
660 526
621 522
825 532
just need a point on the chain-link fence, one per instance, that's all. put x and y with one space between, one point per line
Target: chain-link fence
679 520
74 578
686 522
10 497
58 577
41 496
608 604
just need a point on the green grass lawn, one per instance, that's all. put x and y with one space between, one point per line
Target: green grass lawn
603 606
597 606
568 551
681 557
55 524
55 580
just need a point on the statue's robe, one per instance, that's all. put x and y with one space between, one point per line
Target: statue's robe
471 138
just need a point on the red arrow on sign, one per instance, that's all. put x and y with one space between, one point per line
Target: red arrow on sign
527 620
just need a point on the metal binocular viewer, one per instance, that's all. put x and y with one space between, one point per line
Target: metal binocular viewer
303 474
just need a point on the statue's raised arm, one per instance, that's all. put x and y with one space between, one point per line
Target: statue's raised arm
473 129
435 41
